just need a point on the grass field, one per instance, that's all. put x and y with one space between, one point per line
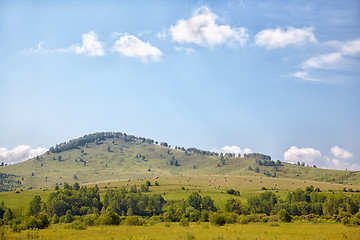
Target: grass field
301 231
121 168
170 187
121 162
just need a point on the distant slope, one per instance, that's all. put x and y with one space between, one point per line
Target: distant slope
115 158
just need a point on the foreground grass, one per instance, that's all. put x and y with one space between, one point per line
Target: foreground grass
197 231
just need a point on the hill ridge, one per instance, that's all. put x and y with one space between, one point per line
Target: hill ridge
110 155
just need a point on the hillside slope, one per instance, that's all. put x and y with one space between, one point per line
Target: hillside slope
115 158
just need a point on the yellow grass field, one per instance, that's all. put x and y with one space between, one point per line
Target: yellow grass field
301 231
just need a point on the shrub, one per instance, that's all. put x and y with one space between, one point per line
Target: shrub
78 225
110 217
204 216
134 221
91 219
345 220
273 218
55 219
243 219
284 216
184 222
355 221
339 218
68 217
218 219
32 222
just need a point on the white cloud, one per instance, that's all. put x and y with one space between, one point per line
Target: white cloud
339 152
304 75
339 161
277 38
232 149
307 155
183 49
321 61
340 164
90 45
351 48
41 50
163 34
132 46
202 30
20 153
339 59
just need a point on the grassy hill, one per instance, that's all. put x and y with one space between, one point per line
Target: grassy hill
113 159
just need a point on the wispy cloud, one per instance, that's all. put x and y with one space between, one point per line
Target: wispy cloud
132 46
278 38
19 153
202 29
342 58
184 49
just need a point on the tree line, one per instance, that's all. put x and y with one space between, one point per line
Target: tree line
82 207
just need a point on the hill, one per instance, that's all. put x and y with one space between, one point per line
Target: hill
101 157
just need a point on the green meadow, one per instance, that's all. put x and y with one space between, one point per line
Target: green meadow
115 159
178 187
114 164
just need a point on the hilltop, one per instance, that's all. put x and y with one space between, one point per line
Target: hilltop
101 157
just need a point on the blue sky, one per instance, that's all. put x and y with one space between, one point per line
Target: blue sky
276 77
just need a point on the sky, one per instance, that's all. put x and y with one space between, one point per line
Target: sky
276 77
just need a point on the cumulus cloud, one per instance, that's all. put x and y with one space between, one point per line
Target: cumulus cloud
90 45
232 149
339 160
132 46
20 153
307 155
339 152
202 29
278 38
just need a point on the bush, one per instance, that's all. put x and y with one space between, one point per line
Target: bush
78 225
134 221
55 219
273 218
284 216
68 217
39 222
184 222
91 219
218 219
243 219
341 216
110 217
